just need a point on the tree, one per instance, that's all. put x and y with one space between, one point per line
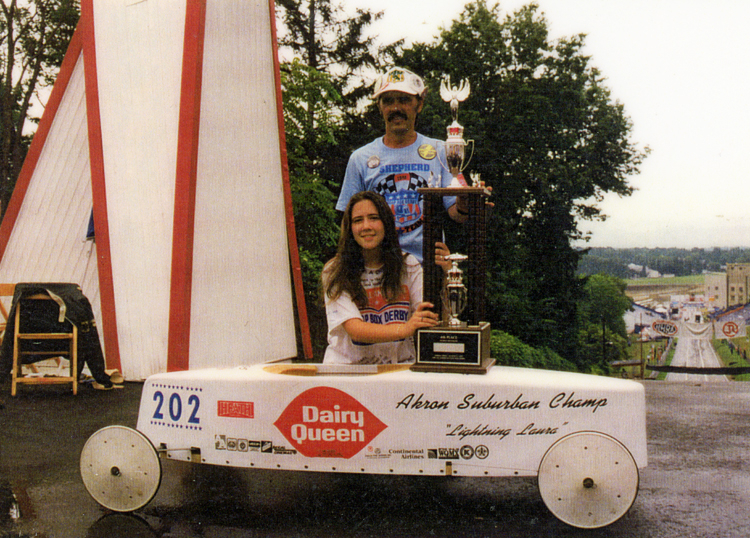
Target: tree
34 35
314 213
322 36
550 142
320 87
602 336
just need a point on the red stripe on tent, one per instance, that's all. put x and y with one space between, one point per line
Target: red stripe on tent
40 137
98 187
178 350
291 230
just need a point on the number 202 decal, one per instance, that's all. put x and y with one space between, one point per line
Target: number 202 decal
172 408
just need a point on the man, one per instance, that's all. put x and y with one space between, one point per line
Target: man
402 161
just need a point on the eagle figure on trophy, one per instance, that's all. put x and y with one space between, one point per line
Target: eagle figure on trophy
454 95
455 145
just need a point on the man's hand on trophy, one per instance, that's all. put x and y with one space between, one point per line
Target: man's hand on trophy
441 256
462 202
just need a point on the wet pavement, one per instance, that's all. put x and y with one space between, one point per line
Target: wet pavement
697 483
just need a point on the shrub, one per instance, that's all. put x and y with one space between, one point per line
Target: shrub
508 350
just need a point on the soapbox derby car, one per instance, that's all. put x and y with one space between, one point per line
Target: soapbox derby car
582 436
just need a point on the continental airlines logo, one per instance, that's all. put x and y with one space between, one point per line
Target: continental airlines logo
324 422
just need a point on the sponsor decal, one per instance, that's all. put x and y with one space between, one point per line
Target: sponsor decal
427 151
481 452
443 453
283 450
376 454
235 409
466 452
408 454
324 422
665 327
225 442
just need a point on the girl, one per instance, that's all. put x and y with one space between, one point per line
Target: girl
373 290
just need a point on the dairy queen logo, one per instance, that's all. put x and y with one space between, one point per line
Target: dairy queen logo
324 422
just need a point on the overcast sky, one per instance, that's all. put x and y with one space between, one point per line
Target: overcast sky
681 69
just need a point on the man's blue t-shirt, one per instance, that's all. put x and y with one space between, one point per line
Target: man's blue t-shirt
397 174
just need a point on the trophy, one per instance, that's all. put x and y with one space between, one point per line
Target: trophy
455 146
455 290
455 345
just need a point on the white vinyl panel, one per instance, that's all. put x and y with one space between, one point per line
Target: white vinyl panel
42 220
47 243
139 59
242 310
68 206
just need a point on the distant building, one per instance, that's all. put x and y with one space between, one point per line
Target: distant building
738 278
715 290
642 271
723 290
639 318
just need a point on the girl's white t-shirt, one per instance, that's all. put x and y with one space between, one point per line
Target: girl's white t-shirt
342 350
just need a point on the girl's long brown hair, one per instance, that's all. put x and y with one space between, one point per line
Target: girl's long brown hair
343 273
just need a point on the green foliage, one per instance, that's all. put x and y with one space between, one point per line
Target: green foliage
667 261
34 36
733 357
508 350
597 348
314 213
602 335
324 37
329 49
605 302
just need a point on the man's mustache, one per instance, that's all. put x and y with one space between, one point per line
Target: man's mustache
393 115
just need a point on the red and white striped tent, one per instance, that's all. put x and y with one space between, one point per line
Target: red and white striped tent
166 119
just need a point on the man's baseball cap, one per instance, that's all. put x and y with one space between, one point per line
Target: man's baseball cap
397 79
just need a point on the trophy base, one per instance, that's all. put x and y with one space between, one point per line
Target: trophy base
463 350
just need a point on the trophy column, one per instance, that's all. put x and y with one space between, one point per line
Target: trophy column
433 273
477 230
463 349
476 226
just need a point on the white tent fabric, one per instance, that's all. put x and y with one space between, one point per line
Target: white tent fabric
187 183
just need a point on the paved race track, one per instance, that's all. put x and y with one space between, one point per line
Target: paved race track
694 349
